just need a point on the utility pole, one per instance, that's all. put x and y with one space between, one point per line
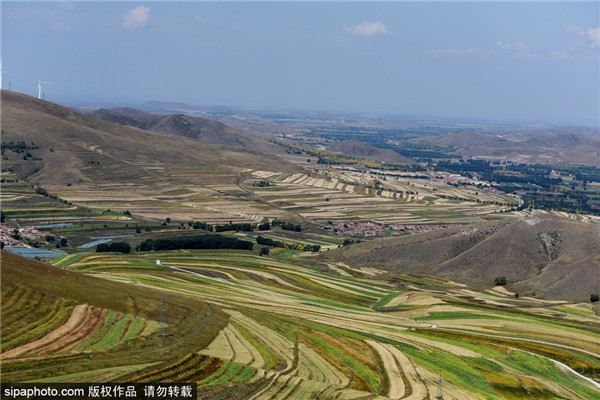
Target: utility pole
161 328
439 395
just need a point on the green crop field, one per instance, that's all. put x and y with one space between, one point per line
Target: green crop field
296 330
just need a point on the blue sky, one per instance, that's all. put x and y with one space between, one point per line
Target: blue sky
537 61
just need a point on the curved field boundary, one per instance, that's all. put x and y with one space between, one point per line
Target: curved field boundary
114 335
8 308
283 348
397 388
232 345
190 368
266 358
219 347
74 320
418 390
245 352
108 318
89 324
312 366
58 314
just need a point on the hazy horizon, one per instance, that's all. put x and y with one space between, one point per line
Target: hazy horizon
533 62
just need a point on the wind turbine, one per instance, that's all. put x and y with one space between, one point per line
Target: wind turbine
2 71
40 83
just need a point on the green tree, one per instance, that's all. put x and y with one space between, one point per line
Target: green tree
500 281
102 248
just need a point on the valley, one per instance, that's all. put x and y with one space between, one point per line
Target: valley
289 270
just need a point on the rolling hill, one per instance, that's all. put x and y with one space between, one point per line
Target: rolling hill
70 148
31 290
355 148
553 257
202 129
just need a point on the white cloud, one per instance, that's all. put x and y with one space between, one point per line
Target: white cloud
368 29
593 34
587 37
136 18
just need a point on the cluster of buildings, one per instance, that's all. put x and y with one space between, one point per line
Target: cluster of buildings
349 229
14 237
457 179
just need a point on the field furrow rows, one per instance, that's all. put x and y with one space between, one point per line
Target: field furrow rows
77 315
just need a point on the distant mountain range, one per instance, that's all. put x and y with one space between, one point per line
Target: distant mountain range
526 146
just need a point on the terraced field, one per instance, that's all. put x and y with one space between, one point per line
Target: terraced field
299 330
348 194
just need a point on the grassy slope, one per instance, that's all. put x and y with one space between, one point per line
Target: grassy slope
192 324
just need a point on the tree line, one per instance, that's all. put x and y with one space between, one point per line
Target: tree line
195 242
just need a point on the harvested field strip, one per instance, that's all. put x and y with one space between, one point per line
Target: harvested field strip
74 320
512 387
88 325
317 289
57 315
267 359
244 352
383 301
276 343
220 347
397 387
280 387
311 366
325 282
414 387
364 377
375 288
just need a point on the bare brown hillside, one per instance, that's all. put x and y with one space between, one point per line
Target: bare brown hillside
202 129
76 149
553 257
355 148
